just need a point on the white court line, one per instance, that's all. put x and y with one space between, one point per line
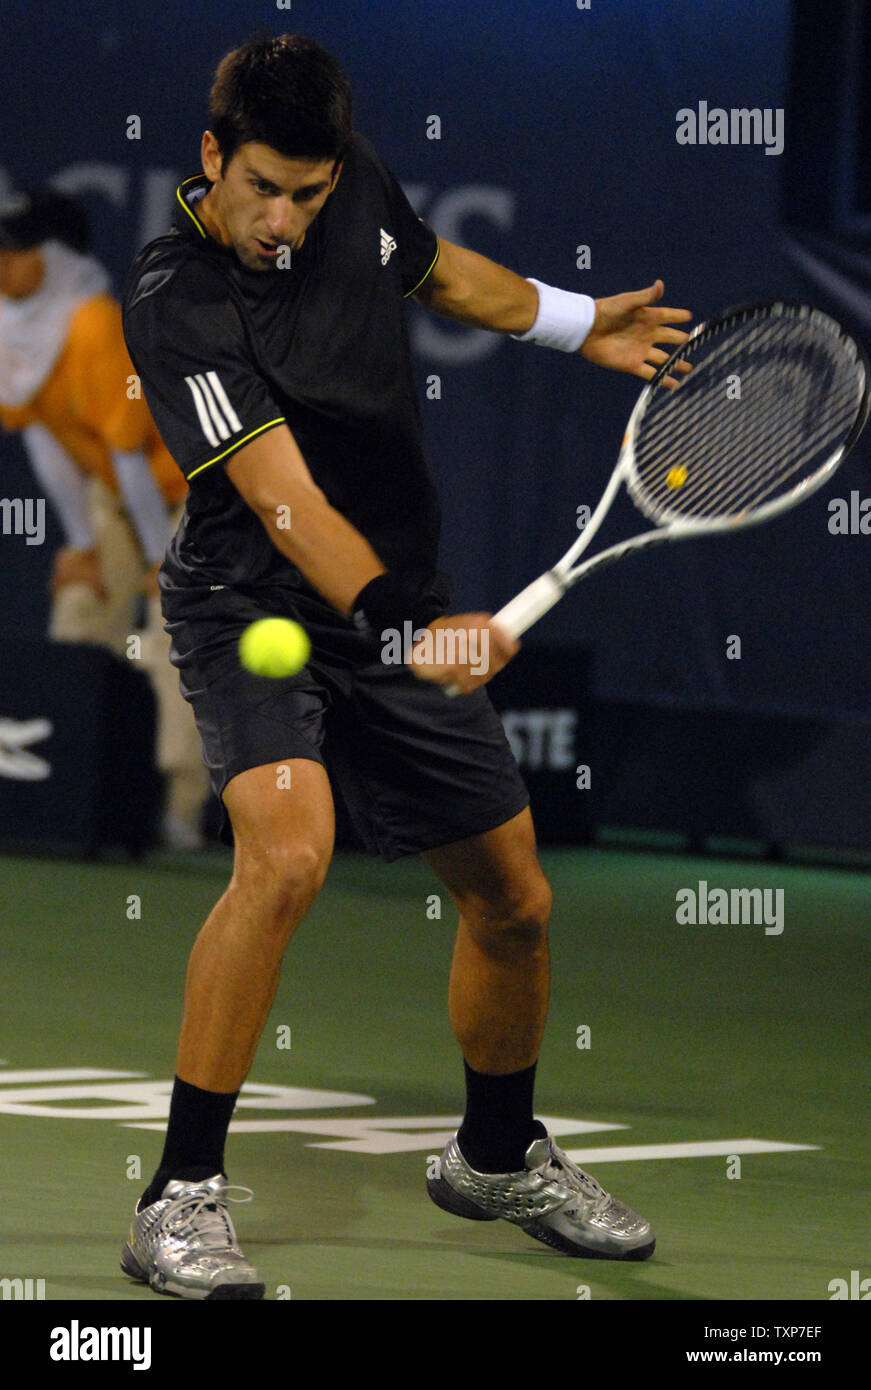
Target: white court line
23 1078
710 1148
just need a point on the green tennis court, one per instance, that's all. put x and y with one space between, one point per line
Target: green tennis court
703 1037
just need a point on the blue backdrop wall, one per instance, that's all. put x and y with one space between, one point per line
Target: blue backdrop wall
557 131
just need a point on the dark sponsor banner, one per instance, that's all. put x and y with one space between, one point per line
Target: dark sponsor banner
776 777
76 748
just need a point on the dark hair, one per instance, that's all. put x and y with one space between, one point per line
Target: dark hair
285 92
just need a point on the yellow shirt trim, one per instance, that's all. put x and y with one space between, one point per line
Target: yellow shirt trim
423 277
196 221
280 420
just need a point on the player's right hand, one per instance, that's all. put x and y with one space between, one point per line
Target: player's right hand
75 566
466 650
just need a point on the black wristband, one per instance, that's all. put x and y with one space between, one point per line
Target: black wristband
386 602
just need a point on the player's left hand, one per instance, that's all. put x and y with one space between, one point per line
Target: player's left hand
466 649
627 328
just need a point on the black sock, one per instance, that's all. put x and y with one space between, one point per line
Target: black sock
195 1137
499 1124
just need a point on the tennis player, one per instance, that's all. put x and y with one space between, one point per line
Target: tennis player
269 332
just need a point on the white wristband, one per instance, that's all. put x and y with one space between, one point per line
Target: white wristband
563 319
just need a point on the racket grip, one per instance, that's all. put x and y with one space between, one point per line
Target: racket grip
525 609
530 604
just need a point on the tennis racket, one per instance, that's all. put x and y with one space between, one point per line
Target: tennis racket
777 396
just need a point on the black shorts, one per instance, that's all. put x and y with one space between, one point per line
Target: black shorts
415 768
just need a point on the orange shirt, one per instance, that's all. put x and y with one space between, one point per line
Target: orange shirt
86 402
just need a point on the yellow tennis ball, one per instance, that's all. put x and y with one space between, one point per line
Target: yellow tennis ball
274 647
676 477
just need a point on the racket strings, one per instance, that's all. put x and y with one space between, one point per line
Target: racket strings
668 401
700 453
700 430
696 388
780 436
710 398
708 421
782 464
780 450
724 490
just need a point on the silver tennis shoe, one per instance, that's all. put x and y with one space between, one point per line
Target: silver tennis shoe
552 1200
185 1243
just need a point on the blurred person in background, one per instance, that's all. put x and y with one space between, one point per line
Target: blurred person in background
68 387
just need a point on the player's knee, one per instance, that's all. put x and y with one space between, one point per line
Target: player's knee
282 879
516 925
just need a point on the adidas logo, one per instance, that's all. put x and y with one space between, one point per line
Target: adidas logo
388 246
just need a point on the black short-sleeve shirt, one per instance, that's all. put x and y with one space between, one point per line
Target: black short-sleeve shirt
224 353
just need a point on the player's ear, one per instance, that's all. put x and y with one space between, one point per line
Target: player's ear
336 172
210 156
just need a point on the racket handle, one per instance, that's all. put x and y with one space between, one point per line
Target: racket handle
530 604
525 609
